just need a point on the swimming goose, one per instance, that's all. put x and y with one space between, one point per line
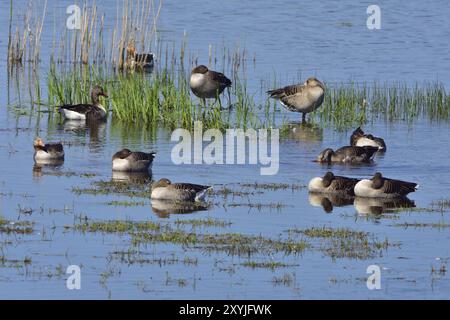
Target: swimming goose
142 61
126 160
47 152
360 139
347 154
380 187
303 98
207 84
332 184
89 112
164 189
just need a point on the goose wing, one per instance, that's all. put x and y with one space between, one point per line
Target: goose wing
220 78
397 187
79 108
53 148
142 156
344 184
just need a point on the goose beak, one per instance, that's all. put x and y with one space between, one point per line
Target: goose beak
105 95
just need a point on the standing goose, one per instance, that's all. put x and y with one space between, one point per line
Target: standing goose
126 160
47 152
347 154
380 187
360 139
164 189
88 112
332 184
207 84
303 98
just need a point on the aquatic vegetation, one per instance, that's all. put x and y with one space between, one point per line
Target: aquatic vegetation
266 265
16 227
117 226
127 203
208 222
346 243
103 187
438 225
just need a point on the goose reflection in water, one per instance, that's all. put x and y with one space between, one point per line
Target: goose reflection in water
164 208
133 177
377 206
303 132
96 131
38 168
329 201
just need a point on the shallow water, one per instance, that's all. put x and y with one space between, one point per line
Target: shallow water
335 46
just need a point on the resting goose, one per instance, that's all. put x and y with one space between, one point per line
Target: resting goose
347 154
88 112
380 187
142 61
164 189
47 152
360 139
126 160
332 184
303 98
207 84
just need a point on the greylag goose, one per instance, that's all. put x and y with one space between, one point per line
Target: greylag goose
380 187
126 160
141 61
347 154
360 139
332 184
47 152
207 84
88 112
303 98
164 189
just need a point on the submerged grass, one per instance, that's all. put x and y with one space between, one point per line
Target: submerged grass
147 232
346 243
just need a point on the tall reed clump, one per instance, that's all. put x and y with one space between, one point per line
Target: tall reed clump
25 44
162 98
346 105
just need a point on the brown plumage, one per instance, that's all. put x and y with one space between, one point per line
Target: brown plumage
332 184
49 151
360 139
303 98
164 189
381 187
347 154
88 112
207 84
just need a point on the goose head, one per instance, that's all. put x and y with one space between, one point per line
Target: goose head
38 143
325 155
161 183
200 69
314 82
96 92
327 179
377 180
122 154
